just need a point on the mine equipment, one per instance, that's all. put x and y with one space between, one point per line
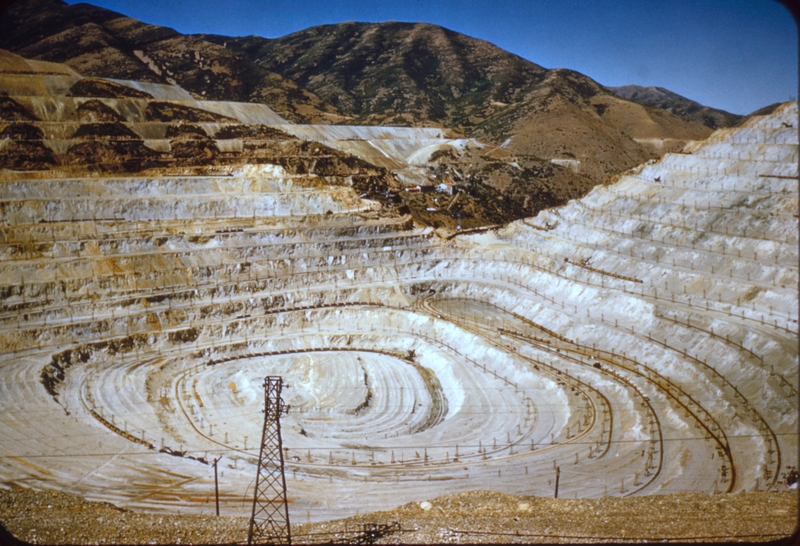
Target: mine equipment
372 532
269 522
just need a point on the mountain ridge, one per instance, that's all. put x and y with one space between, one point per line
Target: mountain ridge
679 105
103 43
421 74
402 74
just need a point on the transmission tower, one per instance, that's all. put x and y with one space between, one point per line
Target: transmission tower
269 523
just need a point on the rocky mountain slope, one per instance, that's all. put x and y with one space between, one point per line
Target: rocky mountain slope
643 338
417 74
679 105
126 126
766 110
159 255
99 42
356 73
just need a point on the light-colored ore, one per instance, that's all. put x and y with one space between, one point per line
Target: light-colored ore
641 338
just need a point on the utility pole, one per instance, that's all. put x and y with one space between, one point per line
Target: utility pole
558 475
216 484
269 522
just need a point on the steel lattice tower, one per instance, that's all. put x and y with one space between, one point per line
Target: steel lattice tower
269 522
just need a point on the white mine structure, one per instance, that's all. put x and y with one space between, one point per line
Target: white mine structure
643 339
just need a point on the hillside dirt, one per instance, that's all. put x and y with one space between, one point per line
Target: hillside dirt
393 74
473 517
417 74
102 43
673 103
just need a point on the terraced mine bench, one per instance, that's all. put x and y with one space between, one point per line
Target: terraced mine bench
642 339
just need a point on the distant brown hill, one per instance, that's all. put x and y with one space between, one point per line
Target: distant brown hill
99 42
420 74
115 117
766 110
679 105
408 74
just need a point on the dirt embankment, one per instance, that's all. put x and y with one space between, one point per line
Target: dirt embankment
477 516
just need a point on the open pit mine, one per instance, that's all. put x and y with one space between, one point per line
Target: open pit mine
161 255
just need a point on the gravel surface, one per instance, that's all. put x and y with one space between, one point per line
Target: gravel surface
49 517
478 516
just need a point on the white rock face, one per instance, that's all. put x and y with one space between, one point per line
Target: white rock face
643 339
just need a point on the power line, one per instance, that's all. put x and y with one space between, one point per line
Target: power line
254 452
270 517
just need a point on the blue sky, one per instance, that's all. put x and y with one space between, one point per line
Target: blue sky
738 55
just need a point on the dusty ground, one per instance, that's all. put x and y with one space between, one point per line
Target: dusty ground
478 516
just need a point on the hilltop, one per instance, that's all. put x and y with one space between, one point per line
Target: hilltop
421 74
126 126
99 42
400 74
674 103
